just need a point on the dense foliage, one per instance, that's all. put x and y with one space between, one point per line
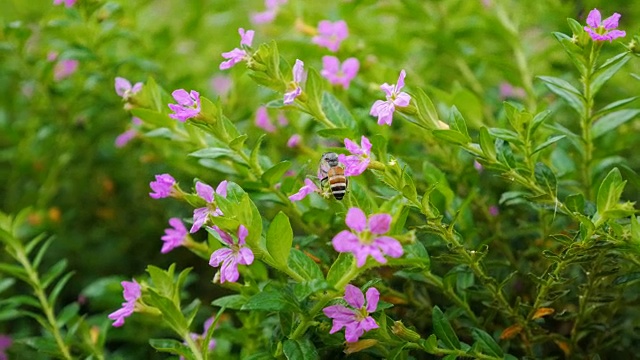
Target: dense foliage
385 179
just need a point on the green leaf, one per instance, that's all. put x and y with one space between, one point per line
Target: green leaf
538 120
216 153
610 191
574 51
614 105
279 239
171 314
55 292
171 346
452 136
337 112
233 302
271 300
547 143
299 349
487 343
53 272
338 133
612 120
162 280
238 143
304 266
339 268
443 330
607 70
457 122
576 28
275 173
43 249
545 177
487 144
566 91
427 113
254 157
153 117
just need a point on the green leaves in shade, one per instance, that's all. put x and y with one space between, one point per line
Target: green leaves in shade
443 330
299 350
337 112
608 199
275 173
279 239
566 91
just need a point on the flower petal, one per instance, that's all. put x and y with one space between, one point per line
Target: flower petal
356 219
352 147
353 296
365 145
403 99
373 295
611 22
245 256
122 85
204 191
593 19
222 188
379 223
345 241
400 83
389 246
219 256
242 234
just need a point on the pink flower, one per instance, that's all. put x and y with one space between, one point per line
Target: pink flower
131 294
354 319
5 343
494 210
384 109
198 338
339 75
205 192
187 107
308 188
162 187
221 85
509 91
269 14
282 120
263 121
478 166
67 3
365 238
603 30
124 88
331 34
232 256
237 55
64 69
124 138
294 141
357 163
298 75
174 236
52 56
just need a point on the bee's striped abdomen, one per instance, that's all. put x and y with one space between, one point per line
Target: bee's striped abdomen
337 182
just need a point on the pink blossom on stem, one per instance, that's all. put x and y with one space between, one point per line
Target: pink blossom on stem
354 319
384 109
124 88
5 343
603 30
237 55
205 192
509 91
308 188
263 121
267 16
198 338
294 141
358 162
131 294
296 90
124 138
366 237
67 3
162 187
65 68
221 85
174 236
229 257
187 107
339 74
331 34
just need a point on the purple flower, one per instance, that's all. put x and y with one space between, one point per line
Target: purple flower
339 75
509 91
331 34
173 236
187 107
365 238
269 14
237 55
263 121
124 138
603 30
384 109
494 210
64 69
298 75
478 166
198 338
354 319
357 163
162 187
282 120
131 294
308 188
5 343
232 256
205 192
124 88
221 84
294 141
67 3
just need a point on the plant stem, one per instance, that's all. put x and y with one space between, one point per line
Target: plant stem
192 345
586 122
437 282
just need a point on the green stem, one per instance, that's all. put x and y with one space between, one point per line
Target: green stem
437 282
586 122
195 350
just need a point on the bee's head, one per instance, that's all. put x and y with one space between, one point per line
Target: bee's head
330 158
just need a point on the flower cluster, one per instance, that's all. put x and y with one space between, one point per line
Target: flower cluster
131 293
384 109
229 257
354 319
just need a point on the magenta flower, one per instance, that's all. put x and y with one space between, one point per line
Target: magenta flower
198 338
64 69
282 120
124 88
67 3
237 55
339 75
162 187
478 166
298 76
187 107
263 121
174 236
331 34
269 14
603 30
354 319
205 192
507 90
131 294
358 162
221 85
384 109
5 343
308 188
232 256
124 138
366 237
294 141
494 210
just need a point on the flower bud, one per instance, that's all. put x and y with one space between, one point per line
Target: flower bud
359 346
404 333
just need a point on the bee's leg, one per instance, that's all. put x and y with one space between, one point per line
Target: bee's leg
323 181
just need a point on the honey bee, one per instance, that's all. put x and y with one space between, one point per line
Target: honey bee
332 172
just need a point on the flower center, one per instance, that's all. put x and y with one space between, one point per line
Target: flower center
361 314
366 237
